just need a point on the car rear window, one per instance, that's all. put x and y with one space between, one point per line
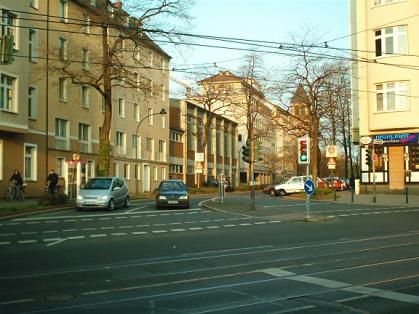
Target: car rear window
171 186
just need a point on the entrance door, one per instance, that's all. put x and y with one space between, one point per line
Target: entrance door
396 167
146 178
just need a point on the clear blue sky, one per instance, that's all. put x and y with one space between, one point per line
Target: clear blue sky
271 20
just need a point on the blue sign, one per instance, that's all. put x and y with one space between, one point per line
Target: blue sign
397 139
309 187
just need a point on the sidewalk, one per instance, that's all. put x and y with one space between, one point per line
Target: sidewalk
289 212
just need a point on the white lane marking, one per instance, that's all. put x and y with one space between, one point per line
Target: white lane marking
121 217
52 239
134 209
119 234
70 230
296 309
195 228
12 223
50 231
107 228
139 216
260 223
177 230
98 235
274 221
152 215
70 220
104 218
141 226
158 231
33 222
175 223
139 232
333 284
5 243
125 227
245 224
212 227
229 226
51 221
87 219
76 237
57 242
89 229
28 232
16 301
27 241
7 234
159 225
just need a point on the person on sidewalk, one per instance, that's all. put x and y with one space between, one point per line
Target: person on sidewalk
52 181
17 180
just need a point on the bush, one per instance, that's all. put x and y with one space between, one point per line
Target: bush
53 199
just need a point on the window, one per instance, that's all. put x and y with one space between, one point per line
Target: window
150 58
116 169
33 45
32 102
163 92
392 96
136 146
84 138
33 4
176 169
120 141
85 99
86 59
62 139
86 24
150 116
176 137
1 159
149 147
90 168
62 89
63 10
126 171
163 121
59 166
137 172
136 112
163 173
391 40
414 157
121 107
8 26
63 49
162 150
8 93
30 161
381 2
155 174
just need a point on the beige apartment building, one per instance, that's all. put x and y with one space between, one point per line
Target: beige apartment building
49 122
188 119
385 86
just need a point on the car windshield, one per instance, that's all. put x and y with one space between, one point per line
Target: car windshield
98 184
171 186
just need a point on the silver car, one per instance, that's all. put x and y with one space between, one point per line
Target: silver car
103 192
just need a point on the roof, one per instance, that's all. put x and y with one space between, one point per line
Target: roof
300 95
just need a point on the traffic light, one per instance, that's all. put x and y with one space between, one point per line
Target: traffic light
303 151
368 157
246 152
257 148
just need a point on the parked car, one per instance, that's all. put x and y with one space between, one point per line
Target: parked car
267 189
103 192
210 183
293 185
172 193
334 183
321 184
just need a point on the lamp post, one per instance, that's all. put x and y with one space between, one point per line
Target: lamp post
162 112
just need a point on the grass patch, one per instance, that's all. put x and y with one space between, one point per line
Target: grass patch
319 194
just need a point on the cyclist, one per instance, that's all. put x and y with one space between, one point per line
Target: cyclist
17 181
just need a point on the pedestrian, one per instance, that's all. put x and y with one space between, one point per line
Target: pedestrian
52 181
352 182
17 180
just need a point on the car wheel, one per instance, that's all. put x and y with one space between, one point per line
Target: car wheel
126 203
272 193
111 205
282 192
187 206
158 207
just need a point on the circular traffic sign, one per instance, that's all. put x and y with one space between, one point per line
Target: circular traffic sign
365 140
374 157
309 187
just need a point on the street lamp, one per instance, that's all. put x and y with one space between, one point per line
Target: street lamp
162 112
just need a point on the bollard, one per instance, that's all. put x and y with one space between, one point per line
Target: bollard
352 196
335 195
407 196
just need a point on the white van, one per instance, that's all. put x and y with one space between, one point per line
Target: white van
293 185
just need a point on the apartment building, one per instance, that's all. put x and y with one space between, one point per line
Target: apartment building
50 111
188 122
385 85
243 93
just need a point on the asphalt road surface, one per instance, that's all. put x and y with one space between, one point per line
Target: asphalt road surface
141 260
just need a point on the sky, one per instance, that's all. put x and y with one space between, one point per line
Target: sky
270 20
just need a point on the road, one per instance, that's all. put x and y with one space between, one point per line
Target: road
140 260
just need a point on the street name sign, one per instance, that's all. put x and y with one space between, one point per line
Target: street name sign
378 141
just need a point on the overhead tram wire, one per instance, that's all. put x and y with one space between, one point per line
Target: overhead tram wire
254 42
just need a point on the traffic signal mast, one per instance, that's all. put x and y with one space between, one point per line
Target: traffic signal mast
304 151
246 151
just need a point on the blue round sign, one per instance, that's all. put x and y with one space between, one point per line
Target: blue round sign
309 187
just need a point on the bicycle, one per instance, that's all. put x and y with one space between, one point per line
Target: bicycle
13 193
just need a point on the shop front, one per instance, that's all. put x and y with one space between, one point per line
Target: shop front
396 160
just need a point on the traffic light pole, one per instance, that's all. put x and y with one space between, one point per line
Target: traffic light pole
374 194
307 195
252 172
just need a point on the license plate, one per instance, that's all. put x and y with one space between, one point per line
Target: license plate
89 202
172 202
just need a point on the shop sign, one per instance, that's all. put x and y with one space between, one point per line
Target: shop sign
394 139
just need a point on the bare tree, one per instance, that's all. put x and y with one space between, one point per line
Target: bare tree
122 55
